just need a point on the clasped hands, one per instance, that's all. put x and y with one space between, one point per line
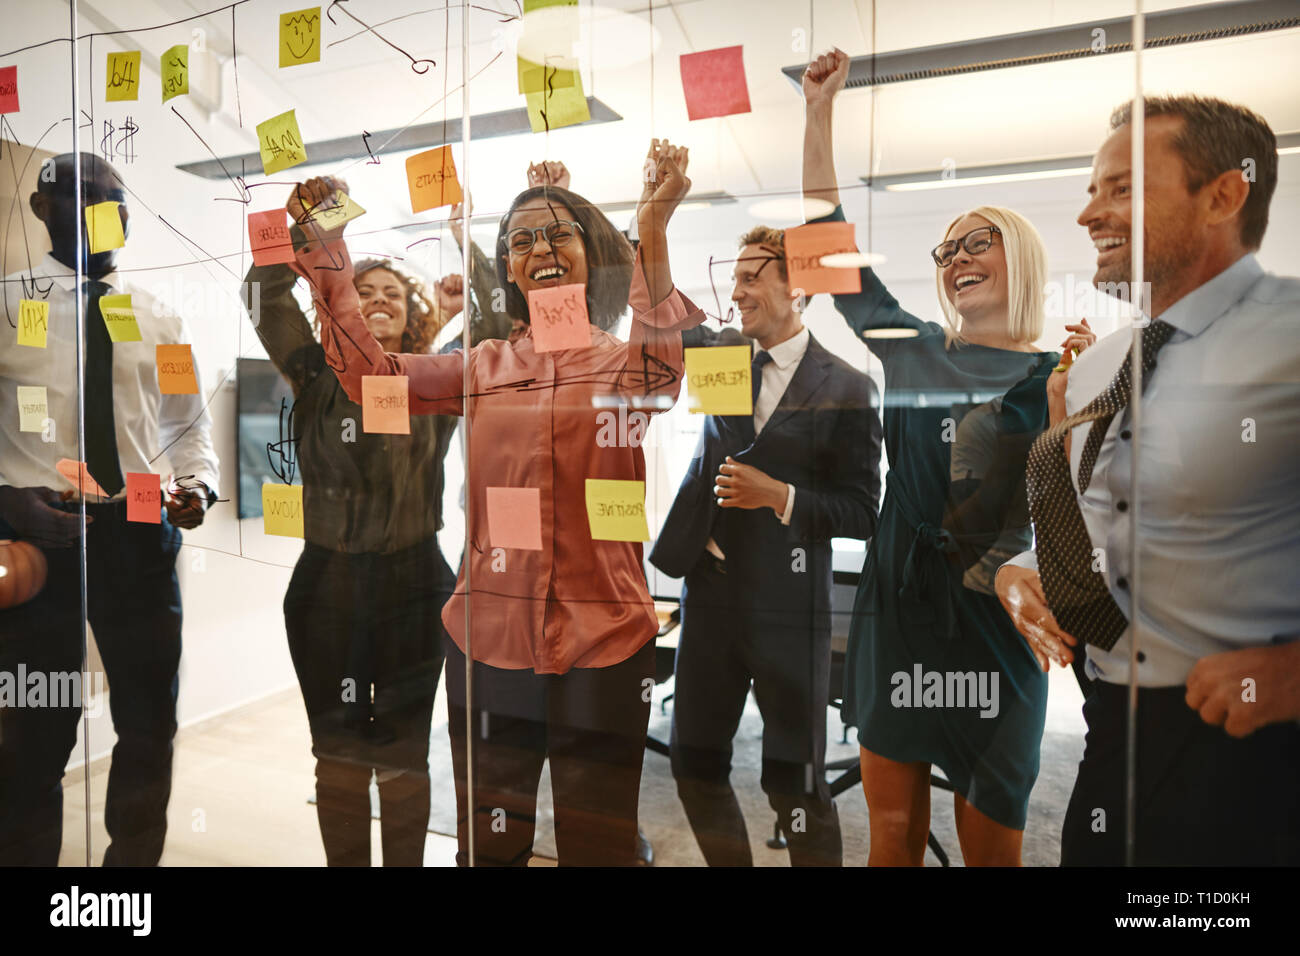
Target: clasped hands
1217 687
744 486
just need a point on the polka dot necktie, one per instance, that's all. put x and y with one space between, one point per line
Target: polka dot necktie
1072 580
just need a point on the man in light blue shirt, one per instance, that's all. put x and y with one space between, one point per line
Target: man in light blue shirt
1219 517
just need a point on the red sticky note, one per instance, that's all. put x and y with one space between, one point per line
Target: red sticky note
558 315
78 475
431 178
385 408
143 497
268 233
714 82
8 89
515 518
804 248
176 370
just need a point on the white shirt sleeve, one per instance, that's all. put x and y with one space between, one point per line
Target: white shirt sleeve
789 505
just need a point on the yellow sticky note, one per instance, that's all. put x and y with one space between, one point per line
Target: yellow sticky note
281 143
718 381
533 77
104 227
300 37
33 408
122 76
120 318
175 66
33 322
558 103
175 370
616 510
334 212
282 510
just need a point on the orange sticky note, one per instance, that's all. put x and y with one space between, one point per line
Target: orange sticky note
176 370
431 177
79 477
515 518
268 234
558 316
385 404
714 82
8 89
804 248
143 497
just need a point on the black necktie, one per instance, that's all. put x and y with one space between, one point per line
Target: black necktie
101 437
756 375
1075 587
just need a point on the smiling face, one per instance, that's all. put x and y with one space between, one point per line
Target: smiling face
976 285
543 266
761 295
1173 229
383 307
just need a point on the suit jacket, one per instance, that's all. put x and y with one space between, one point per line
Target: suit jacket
824 438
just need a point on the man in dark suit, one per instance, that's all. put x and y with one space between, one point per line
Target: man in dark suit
750 532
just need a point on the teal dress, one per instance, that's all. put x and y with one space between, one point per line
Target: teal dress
935 671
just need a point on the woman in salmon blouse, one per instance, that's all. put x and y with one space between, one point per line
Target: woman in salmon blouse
562 635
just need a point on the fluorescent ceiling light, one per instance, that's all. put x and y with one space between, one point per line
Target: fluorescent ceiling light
890 333
791 207
988 180
702 201
852 260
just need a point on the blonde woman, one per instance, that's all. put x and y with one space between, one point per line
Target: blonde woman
936 673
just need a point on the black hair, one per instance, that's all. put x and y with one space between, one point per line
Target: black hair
609 257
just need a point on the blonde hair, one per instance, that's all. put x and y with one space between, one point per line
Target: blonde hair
1026 275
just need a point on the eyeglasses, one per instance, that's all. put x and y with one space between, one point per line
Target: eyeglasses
520 242
717 302
976 241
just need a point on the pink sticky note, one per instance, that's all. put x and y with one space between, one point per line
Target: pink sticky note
143 497
804 248
79 477
385 406
8 89
268 232
714 82
515 518
558 315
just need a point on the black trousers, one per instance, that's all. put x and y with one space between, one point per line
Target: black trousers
134 609
365 634
590 722
723 649
1203 798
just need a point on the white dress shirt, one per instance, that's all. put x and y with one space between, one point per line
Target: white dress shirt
1219 529
146 422
777 373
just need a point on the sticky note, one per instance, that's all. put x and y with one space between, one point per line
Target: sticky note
175 66
122 76
718 380
120 318
282 510
385 404
431 178
176 370
558 103
143 497
78 475
335 211
33 322
300 37
714 82
268 234
104 227
616 510
8 89
280 143
534 78
33 408
804 247
558 316
515 518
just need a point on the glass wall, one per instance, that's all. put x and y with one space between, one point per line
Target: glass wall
719 430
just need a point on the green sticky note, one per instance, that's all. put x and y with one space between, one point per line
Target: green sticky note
280 143
175 71
119 318
533 77
556 106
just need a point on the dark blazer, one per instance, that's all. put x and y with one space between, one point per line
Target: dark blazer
823 438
